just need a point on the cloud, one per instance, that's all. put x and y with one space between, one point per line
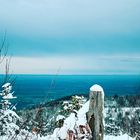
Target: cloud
76 65
61 17
77 35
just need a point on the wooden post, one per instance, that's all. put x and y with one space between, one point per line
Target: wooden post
95 114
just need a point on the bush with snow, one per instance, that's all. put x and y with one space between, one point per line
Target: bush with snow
73 105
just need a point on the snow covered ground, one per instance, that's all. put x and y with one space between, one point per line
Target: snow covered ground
81 119
69 124
72 121
122 137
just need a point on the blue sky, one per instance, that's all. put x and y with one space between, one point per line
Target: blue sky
75 36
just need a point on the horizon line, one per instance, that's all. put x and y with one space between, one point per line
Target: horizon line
74 74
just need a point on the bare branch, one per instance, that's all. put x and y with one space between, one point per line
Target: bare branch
3 49
7 68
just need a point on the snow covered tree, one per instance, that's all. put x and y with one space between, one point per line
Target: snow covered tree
7 95
8 117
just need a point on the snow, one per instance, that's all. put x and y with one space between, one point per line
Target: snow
52 137
75 119
96 88
80 119
59 133
77 97
63 132
122 137
84 109
60 117
128 109
70 121
69 124
75 111
65 107
9 96
82 114
7 112
6 85
55 133
65 102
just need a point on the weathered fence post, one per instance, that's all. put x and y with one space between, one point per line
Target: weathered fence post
95 114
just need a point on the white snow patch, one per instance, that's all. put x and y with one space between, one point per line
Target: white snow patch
6 85
7 112
9 96
96 88
60 117
84 109
122 137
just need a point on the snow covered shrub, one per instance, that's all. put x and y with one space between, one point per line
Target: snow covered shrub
74 126
73 105
77 102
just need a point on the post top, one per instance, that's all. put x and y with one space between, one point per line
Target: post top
96 88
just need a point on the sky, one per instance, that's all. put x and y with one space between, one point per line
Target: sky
72 36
